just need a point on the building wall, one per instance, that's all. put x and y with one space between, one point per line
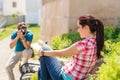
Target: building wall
107 10
8 9
1 2
32 11
39 12
10 20
60 16
54 18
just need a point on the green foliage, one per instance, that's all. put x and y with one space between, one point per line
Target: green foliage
16 14
7 30
73 36
112 34
110 46
5 33
34 76
116 34
59 43
108 31
110 69
36 31
10 28
64 40
118 23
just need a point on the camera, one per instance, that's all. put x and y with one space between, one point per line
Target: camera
23 31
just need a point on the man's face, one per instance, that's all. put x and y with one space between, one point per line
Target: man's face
22 28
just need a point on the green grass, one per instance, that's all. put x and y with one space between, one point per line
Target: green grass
5 33
7 30
36 31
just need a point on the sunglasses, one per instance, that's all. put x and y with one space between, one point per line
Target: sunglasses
21 24
21 28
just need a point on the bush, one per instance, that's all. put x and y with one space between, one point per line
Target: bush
110 46
73 36
60 43
108 32
110 69
112 34
34 76
116 34
64 40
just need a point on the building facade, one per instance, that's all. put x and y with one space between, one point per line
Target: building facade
60 16
32 11
15 11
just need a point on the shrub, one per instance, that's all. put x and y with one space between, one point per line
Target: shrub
60 43
64 40
110 46
116 34
108 32
73 36
110 69
34 76
112 34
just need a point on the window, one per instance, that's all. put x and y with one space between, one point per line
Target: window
14 4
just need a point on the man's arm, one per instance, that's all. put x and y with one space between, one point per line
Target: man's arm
26 43
13 42
14 39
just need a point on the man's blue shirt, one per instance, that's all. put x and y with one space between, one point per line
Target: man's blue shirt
19 45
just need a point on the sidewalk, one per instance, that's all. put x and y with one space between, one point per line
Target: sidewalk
5 53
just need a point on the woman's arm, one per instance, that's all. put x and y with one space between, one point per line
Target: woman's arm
72 50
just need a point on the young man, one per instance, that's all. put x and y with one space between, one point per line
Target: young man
20 41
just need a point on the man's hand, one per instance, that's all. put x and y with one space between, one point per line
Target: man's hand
20 35
14 41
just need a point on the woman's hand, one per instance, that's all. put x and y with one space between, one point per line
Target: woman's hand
41 52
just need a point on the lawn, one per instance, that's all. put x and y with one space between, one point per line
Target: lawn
7 30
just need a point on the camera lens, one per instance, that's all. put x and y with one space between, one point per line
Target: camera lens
23 31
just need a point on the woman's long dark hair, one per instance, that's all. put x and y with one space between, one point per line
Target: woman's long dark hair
96 27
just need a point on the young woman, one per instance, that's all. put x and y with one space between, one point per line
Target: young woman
84 53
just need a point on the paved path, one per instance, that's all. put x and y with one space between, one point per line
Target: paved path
5 53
